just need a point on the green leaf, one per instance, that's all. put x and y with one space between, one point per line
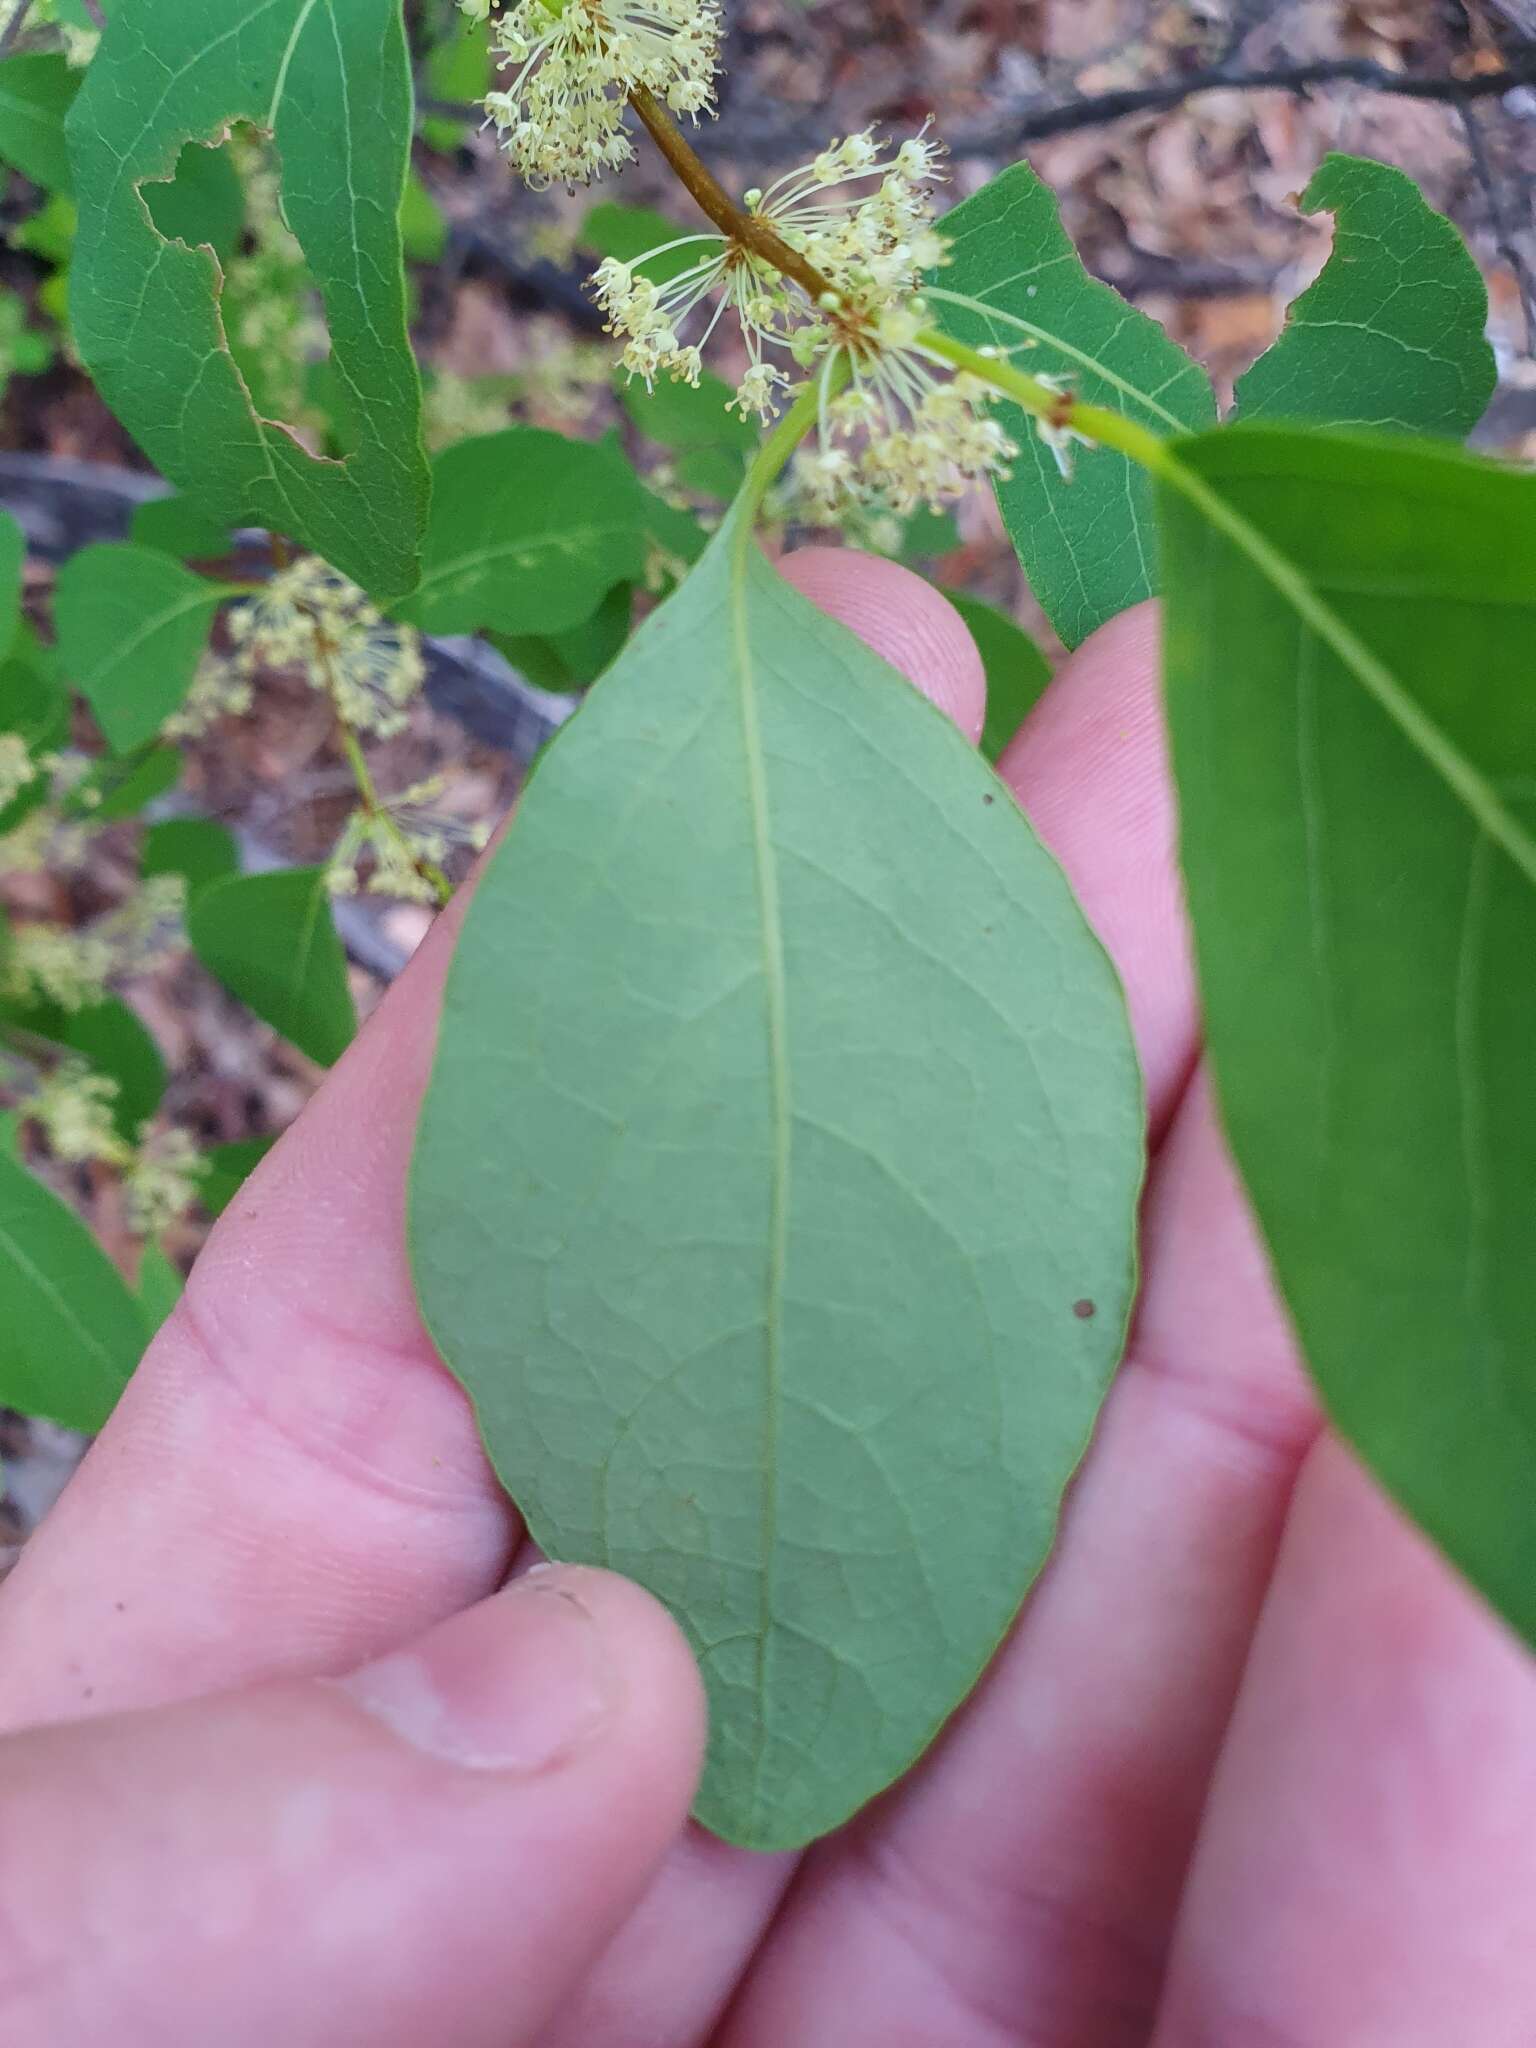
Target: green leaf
113 789
423 230
36 92
926 533
112 1040
198 849
529 532
711 472
775 1186
628 232
132 626
329 79
271 940
228 1168
160 1285
204 202
681 415
1088 547
177 526
1353 709
13 561
457 68
70 1331
570 661
1391 334
1017 672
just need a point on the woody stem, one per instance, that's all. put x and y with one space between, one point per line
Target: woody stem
710 195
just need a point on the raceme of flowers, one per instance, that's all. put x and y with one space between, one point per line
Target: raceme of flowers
572 65
311 619
895 425
397 842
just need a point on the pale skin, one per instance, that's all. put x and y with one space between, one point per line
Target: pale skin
1253 1770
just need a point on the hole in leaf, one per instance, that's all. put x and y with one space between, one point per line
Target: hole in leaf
227 196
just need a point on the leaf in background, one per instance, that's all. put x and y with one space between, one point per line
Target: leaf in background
927 534
676 533
457 68
113 1041
570 661
271 940
1016 670
423 230
678 415
204 202
627 232
36 92
1391 334
112 789
70 1331
1088 547
332 83
775 1186
13 561
228 1168
529 532
177 526
132 626
160 1285
1352 699
200 850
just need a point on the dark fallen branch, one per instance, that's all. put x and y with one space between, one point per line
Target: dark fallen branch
1039 124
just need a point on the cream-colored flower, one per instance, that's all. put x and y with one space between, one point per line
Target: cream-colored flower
17 768
220 689
160 1180
575 62
75 1109
860 213
385 851
313 619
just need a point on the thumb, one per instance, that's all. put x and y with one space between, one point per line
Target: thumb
432 1849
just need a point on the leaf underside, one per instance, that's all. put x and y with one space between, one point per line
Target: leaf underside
329 80
774 1191
1352 698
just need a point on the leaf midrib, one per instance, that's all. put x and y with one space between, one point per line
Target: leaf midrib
774 982
1480 796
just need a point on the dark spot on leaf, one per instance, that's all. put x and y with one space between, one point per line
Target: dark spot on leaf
1084 1309
987 797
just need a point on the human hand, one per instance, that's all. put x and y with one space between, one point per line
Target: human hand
1252 1770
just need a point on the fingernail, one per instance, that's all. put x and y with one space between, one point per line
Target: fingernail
519 1683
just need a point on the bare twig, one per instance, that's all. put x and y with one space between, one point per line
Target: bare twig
1038 124
1498 214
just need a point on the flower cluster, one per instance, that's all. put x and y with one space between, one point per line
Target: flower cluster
161 1179
72 967
17 768
220 689
871 247
574 64
312 619
75 1109
895 427
77 1113
397 844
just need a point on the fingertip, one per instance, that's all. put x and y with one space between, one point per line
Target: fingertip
905 620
